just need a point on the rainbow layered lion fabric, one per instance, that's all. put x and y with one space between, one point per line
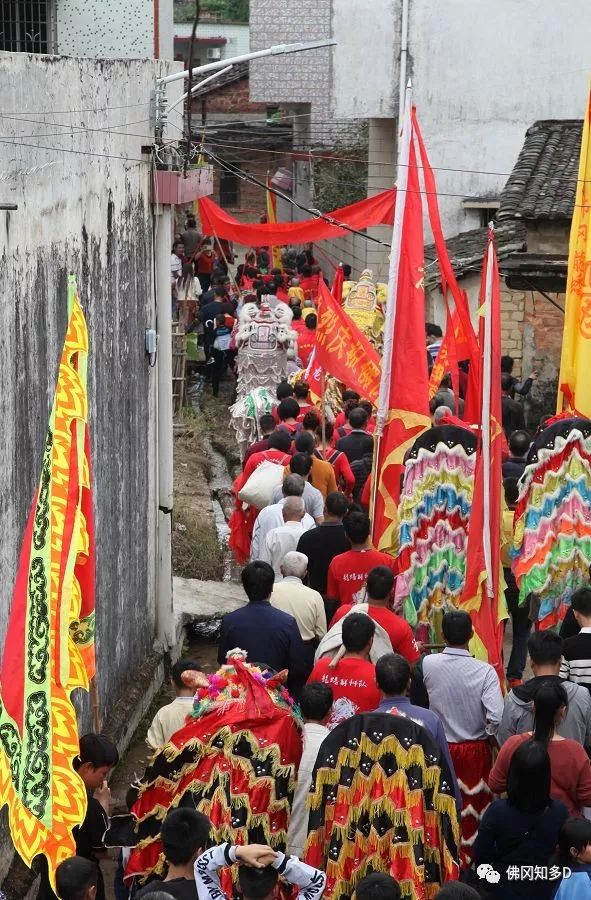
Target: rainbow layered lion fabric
235 760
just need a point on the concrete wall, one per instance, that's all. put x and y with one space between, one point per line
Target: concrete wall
365 62
237 36
87 212
482 74
111 29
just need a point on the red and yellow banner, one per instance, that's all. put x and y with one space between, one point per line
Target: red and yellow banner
342 350
49 646
483 594
272 219
574 384
404 402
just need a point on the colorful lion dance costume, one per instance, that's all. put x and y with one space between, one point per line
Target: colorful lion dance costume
235 760
364 301
265 342
434 512
552 535
382 800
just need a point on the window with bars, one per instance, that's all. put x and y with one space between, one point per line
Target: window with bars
26 26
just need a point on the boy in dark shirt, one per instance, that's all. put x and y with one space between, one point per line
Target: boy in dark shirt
185 834
76 879
97 756
576 650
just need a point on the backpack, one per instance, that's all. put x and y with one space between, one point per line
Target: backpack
332 642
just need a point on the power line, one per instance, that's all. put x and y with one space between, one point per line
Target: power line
76 152
315 213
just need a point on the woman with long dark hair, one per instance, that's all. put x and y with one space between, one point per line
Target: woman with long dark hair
521 830
570 768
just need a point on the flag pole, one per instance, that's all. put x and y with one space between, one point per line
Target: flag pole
486 411
96 708
323 410
404 143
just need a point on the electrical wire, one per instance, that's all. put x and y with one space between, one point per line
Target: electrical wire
76 152
314 213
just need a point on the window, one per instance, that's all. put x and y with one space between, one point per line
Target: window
229 189
26 26
481 210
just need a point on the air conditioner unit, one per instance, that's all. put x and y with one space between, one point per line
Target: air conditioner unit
214 53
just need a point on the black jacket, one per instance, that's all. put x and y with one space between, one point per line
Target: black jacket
356 444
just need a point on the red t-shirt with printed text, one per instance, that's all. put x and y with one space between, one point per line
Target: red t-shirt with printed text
348 573
397 629
353 684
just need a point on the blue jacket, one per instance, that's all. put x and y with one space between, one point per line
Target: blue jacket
268 635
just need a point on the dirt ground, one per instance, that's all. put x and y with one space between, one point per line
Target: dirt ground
196 549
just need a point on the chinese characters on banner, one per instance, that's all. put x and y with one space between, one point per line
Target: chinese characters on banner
343 351
574 386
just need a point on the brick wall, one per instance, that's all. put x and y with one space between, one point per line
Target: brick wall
252 201
542 344
231 98
512 319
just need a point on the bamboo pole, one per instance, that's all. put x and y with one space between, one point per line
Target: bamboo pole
96 710
323 408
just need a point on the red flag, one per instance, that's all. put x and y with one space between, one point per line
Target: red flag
465 336
272 219
337 285
403 409
343 351
481 591
447 358
313 377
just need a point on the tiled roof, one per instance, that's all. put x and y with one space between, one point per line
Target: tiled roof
466 250
544 181
236 73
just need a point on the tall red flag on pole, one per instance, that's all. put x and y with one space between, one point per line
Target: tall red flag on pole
482 591
338 282
275 252
403 405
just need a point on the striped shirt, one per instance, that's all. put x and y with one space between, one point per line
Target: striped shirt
576 659
465 693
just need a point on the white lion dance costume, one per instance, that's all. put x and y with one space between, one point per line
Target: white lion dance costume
265 343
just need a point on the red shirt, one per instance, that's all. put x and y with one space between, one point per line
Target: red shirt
398 630
308 407
348 573
205 264
354 688
257 447
306 343
254 461
299 326
342 470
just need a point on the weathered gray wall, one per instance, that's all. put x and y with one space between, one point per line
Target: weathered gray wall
87 212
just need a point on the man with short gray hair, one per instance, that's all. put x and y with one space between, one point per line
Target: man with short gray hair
281 540
301 602
272 516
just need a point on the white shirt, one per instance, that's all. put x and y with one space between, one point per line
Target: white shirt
278 542
298 824
168 720
465 693
176 265
313 499
271 517
304 604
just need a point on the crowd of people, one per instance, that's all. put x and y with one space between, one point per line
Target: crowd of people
322 606
207 297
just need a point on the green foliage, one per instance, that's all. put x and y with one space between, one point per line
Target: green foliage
227 10
342 179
